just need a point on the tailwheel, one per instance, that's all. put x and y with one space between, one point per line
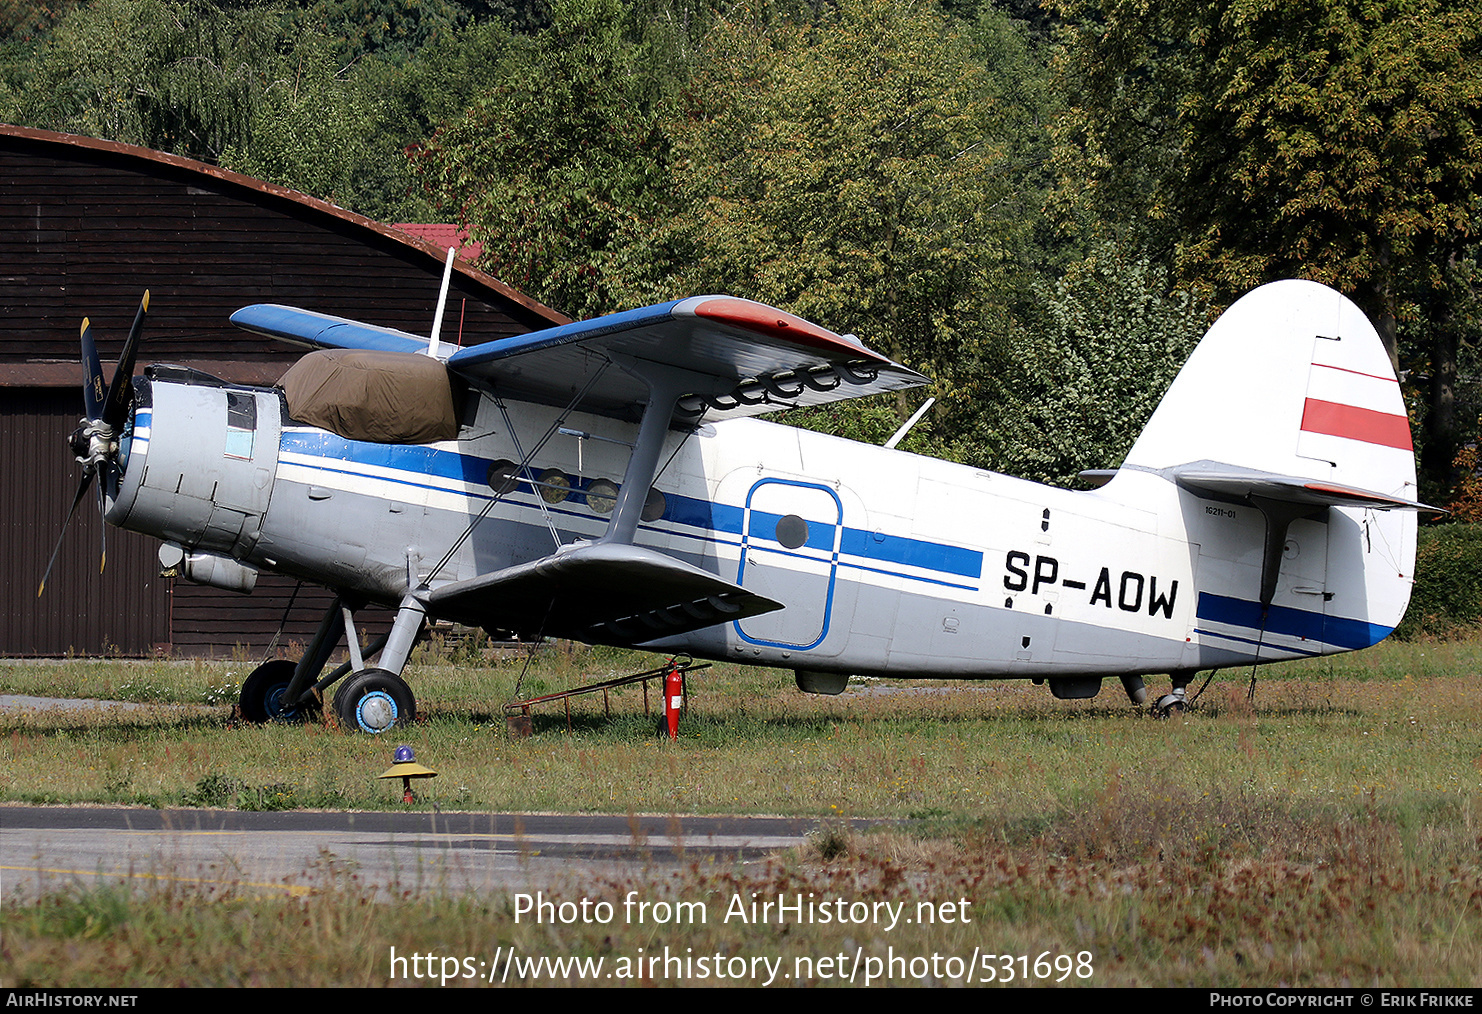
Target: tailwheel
1175 704
374 701
1172 709
1171 705
261 699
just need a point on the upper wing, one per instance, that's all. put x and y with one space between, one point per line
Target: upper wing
321 331
760 359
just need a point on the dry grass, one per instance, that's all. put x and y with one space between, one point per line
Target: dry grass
1328 833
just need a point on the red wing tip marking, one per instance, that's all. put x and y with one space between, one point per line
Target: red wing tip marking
758 317
1353 423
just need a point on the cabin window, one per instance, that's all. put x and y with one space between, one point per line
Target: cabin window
654 506
555 485
503 476
602 495
792 531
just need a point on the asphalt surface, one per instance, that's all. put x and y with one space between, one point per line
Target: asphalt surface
44 849
49 848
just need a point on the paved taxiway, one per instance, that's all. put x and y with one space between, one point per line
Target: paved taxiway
46 848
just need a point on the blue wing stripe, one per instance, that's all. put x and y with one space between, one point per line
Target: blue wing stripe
304 327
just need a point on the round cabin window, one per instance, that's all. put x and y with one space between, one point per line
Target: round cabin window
602 496
555 485
503 476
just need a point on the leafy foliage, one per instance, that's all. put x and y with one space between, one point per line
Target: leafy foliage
393 29
1447 599
562 168
1075 391
844 170
176 76
309 133
1337 142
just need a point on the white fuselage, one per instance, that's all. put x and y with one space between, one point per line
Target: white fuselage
886 562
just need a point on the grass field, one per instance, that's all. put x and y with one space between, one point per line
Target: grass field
1327 833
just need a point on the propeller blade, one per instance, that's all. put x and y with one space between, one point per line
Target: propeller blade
81 492
93 391
116 406
103 528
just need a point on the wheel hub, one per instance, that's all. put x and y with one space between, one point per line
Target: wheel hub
376 711
275 703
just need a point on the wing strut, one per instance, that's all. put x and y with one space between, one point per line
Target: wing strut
666 386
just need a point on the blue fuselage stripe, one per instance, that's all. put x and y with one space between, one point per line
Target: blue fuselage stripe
1338 631
710 517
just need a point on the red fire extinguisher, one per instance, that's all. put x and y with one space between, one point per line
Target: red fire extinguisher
673 699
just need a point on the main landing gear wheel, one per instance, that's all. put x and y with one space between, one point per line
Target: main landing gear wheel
1171 705
261 699
374 701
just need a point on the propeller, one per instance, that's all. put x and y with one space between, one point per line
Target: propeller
95 442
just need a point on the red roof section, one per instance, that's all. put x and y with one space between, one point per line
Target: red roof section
443 235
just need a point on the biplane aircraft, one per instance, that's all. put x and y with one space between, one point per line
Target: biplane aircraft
608 481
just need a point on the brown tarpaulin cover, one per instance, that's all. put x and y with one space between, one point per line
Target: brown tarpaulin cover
384 397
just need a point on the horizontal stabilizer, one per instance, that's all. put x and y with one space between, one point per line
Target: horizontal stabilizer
599 593
1238 485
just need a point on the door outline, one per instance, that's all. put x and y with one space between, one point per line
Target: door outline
753 537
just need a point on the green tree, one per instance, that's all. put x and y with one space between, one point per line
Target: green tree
176 76
318 128
393 30
1262 139
562 169
859 170
1082 377
847 170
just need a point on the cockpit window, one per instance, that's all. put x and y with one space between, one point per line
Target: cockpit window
241 424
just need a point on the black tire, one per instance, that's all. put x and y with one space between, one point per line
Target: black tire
374 701
261 699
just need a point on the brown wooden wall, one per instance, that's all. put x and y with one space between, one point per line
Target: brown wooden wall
84 230
126 609
85 227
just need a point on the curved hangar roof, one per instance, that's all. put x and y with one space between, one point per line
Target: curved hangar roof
87 225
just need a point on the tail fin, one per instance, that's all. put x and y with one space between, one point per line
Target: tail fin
1292 379
1290 405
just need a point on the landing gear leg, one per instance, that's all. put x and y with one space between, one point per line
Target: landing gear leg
1176 702
296 690
264 692
377 700
1137 690
281 690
